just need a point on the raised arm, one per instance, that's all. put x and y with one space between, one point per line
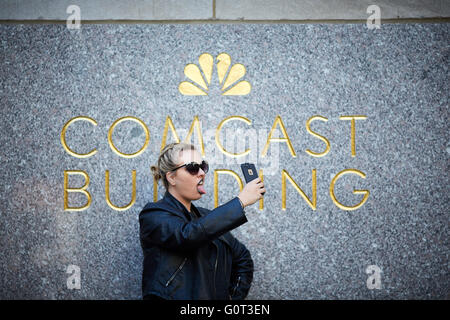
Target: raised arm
167 230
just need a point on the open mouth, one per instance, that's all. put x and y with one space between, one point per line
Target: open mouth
200 187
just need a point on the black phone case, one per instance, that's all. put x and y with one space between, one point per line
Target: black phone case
249 172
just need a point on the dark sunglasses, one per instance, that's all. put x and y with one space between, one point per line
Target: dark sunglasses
194 167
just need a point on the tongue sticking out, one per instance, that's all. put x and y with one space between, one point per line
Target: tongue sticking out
200 189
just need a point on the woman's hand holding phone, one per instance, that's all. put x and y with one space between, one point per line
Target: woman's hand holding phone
252 192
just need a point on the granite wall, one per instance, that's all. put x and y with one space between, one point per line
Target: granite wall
395 78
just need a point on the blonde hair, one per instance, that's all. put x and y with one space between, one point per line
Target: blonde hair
167 160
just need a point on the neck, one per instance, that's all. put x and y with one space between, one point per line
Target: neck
185 202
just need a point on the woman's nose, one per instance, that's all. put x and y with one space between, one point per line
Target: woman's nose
201 172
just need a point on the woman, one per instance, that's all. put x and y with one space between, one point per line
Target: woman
189 252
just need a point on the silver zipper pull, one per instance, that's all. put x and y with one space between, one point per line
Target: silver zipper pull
176 272
237 284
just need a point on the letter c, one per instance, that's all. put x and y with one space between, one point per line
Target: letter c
63 137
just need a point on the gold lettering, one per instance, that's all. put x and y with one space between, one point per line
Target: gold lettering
63 137
133 192
111 130
216 182
169 124
155 190
219 128
314 154
195 124
81 190
261 201
364 192
286 139
284 175
352 135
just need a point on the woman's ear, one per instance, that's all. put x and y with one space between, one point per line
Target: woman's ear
170 178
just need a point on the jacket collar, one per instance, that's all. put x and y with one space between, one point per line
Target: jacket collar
174 202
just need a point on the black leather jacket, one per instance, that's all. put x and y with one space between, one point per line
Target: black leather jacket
193 258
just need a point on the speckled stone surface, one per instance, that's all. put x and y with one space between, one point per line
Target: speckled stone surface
397 76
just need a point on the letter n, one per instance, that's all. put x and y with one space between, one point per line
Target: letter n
285 175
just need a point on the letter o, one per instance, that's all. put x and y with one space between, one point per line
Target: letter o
113 147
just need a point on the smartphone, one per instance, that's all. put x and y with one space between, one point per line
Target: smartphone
249 171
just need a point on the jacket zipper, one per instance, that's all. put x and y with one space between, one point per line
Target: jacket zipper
176 272
215 268
237 284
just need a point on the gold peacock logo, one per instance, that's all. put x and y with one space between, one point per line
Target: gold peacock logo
201 82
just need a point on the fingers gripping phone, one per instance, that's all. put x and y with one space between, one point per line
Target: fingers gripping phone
249 171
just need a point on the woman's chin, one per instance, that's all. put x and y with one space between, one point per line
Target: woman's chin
198 195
